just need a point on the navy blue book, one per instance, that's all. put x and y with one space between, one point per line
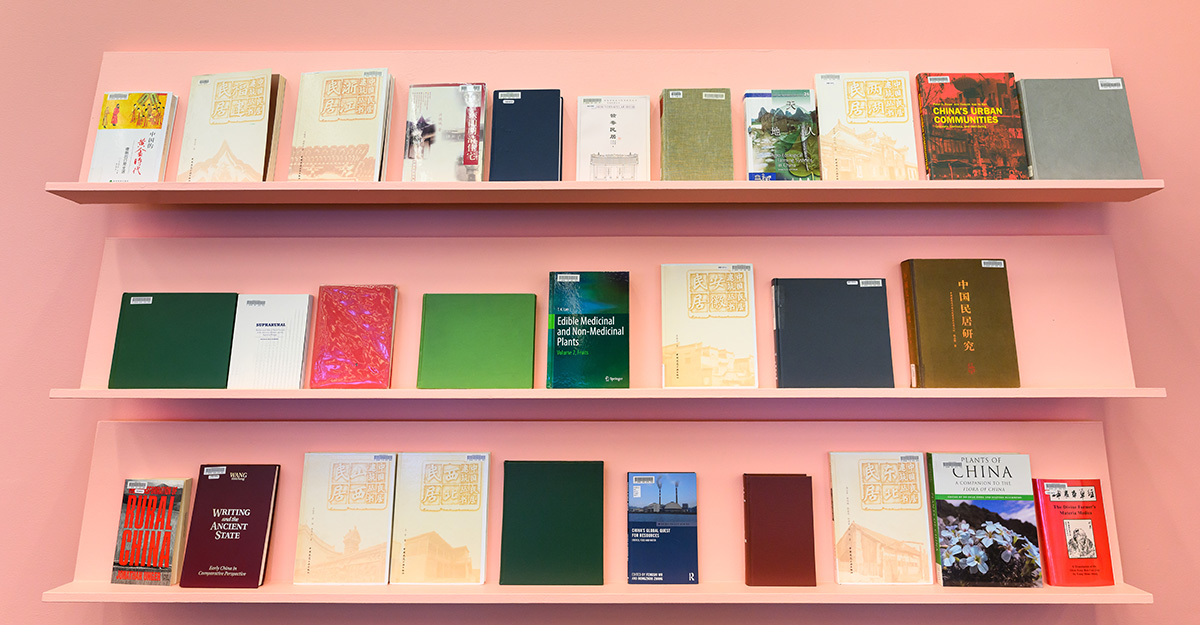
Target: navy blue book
526 135
662 529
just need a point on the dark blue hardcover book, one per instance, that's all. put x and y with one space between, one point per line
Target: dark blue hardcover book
526 135
662 529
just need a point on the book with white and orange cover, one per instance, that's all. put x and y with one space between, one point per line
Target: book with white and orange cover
342 120
708 330
444 132
133 137
867 126
270 341
231 129
440 531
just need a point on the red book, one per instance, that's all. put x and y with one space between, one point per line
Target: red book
971 127
231 526
779 530
1073 533
352 337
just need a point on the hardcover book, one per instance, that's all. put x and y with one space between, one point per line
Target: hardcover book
231 526
588 342
342 120
173 340
867 130
697 134
782 139
232 128
1072 532
270 340
1079 129
440 530
662 529
613 141
133 138
780 547
476 340
527 134
154 516
444 133
971 127
708 326
553 527
352 337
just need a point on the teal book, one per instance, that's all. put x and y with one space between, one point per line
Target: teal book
173 340
588 344
553 523
477 340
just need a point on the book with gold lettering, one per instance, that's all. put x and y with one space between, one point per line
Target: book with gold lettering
231 129
231 526
342 125
867 129
708 326
440 530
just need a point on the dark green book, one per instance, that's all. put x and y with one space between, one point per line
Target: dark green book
553 527
173 340
588 332
477 340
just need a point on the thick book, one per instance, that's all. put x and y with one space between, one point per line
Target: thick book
231 524
697 134
352 336
476 340
588 330
1079 129
270 341
867 129
881 518
527 135
154 515
440 531
663 547
780 549
832 333
984 519
231 132
342 120
553 527
782 137
971 126
708 330
1072 532
960 325
345 527
133 137
613 138
444 132
173 340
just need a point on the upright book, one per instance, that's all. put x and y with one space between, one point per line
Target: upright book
588 342
782 138
232 128
440 530
527 134
708 330
613 140
553 527
173 340
270 341
867 130
352 336
154 515
476 340
1072 532
663 547
1079 129
779 530
444 132
231 526
697 134
133 137
971 127
342 121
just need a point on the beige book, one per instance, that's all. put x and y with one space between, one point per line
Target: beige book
232 127
697 134
708 326
341 125
440 532
867 126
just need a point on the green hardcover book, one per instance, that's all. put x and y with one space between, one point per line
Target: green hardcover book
697 134
173 340
553 525
588 344
477 340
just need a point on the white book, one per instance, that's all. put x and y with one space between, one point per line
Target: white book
440 532
133 137
270 340
867 126
342 120
614 138
232 127
708 327
444 132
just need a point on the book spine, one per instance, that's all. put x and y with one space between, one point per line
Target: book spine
916 379
922 103
936 544
1025 127
777 292
550 334
746 524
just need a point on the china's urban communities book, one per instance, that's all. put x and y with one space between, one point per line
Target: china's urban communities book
133 137
444 132
342 121
270 341
1079 129
832 333
588 330
613 138
440 531
663 547
696 132
780 548
477 340
352 336
231 130
552 532
782 138
527 135
867 126
173 340
154 515
708 330
971 126
231 526
1073 532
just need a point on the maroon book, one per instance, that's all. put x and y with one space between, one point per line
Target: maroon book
779 530
971 127
231 526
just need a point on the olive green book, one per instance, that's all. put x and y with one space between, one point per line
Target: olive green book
697 134
476 340
173 340
553 523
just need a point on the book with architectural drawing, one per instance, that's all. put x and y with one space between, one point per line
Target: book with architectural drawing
342 125
440 530
708 326
613 138
231 129
867 127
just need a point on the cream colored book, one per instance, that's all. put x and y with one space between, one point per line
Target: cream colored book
613 141
867 126
270 340
133 137
708 326
440 532
342 125
232 127
444 132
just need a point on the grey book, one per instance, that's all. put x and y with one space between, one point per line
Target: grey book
1079 129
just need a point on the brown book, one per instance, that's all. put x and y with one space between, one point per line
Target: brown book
960 326
779 530
696 134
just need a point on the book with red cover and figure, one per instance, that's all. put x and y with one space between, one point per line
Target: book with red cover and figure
971 127
1074 534
352 337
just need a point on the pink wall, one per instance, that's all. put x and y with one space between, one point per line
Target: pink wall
51 251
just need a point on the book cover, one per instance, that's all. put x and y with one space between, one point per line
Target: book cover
613 138
444 132
708 329
697 134
782 138
881 518
352 336
133 138
270 341
960 325
231 526
867 130
173 340
971 127
984 519
476 340
588 331
552 532
154 516
345 527
342 120
440 530
780 548
527 127
663 546
232 127
832 333
1079 129
1072 532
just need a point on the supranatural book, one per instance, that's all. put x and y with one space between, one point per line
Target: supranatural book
696 134
232 128
133 137
342 120
588 343
270 339
231 526
867 130
553 527
971 126
444 132
440 530
782 138
476 340
1079 129
527 135
613 142
708 328
662 528
1073 532
154 515
352 336
173 340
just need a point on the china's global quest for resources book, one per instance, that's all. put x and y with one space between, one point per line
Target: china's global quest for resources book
663 547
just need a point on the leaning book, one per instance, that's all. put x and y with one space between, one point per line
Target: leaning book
440 531
154 516
708 326
662 528
133 137
270 341
342 125
971 127
781 135
232 127
867 130
588 343
231 526
1073 532
613 141
444 132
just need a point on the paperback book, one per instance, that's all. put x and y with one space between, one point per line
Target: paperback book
133 137
231 526
154 515
613 141
782 139
232 128
662 529
527 134
173 340
696 134
444 132
270 341
867 130
780 547
588 342
971 127
1079 129
545 541
352 336
440 530
342 120
708 329
1073 533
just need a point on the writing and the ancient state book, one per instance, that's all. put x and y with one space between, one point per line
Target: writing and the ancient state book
1073 533
782 138
231 526
553 527
231 130
133 137
708 328
971 127
153 520
352 336
588 344
173 340
697 134
270 339
342 121
613 141
444 132
663 547
527 135
780 549
440 530
867 127
1079 129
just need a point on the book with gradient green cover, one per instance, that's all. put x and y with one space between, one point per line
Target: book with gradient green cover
173 340
588 330
476 340
697 134
553 527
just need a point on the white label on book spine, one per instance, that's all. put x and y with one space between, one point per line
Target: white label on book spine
214 470
676 94
1107 84
116 96
509 95
137 485
133 301
937 79
870 283
709 95
742 267
993 264
566 277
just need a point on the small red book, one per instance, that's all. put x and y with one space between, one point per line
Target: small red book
1074 535
352 337
779 530
231 526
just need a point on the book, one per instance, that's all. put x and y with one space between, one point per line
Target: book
342 121
832 333
444 132
960 325
173 340
697 134
527 135
971 127
440 531
782 138
588 331
133 137
270 341
552 532
1072 532
231 131
613 138
231 526
984 519
663 534
154 515
780 548
352 336
1079 129
881 518
345 528
708 329
476 340
867 130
